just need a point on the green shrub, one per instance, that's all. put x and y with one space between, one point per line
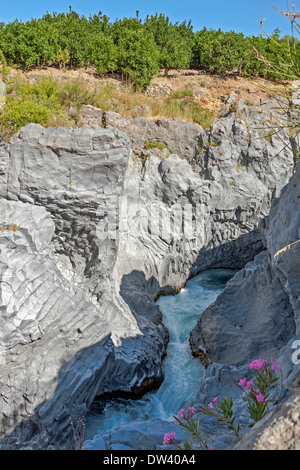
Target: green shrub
286 66
138 57
103 53
174 41
179 94
190 107
67 38
150 144
62 57
20 112
27 103
218 52
76 93
4 68
221 52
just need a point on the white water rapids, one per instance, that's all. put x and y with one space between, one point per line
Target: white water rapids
183 372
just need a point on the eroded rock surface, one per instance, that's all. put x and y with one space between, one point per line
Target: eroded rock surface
91 235
259 309
64 322
278 431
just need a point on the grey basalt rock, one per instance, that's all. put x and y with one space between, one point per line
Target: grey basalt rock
2 93
289 366
4 167
282 238
280 430
137 435
259 309
228 191
80 275
68 335
178 136
251 317
89 116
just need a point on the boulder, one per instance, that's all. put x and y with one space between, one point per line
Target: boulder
89 116
61 345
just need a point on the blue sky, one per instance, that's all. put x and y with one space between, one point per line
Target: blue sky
237 15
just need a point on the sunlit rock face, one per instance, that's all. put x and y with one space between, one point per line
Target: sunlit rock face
90 235
67 335
259 310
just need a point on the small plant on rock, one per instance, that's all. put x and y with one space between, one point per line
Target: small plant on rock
257 392
223 412
258 389
78 429
185 419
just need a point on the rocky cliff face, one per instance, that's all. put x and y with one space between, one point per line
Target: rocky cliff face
259 308
92 232
257 315
64 322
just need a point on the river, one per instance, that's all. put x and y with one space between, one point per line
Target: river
183 372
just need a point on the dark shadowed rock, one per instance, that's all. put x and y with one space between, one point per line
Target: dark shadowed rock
252 317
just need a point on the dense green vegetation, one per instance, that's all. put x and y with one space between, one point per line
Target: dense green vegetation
138 49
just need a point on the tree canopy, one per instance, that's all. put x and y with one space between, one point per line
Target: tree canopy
138 49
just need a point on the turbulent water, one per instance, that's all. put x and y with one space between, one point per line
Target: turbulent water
183 372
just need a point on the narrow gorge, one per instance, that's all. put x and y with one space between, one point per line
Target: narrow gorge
95 228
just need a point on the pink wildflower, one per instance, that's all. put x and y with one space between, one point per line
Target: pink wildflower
210 405
248 384
274 364
242 382
257 364
215 399
181 413
169 438
186 414
260 398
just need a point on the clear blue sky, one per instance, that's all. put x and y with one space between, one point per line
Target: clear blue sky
237 15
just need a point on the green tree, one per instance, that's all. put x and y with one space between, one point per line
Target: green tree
174 41
62 57
103 53
219 52
281 59
138 57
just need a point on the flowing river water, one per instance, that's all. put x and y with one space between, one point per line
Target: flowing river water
183 372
